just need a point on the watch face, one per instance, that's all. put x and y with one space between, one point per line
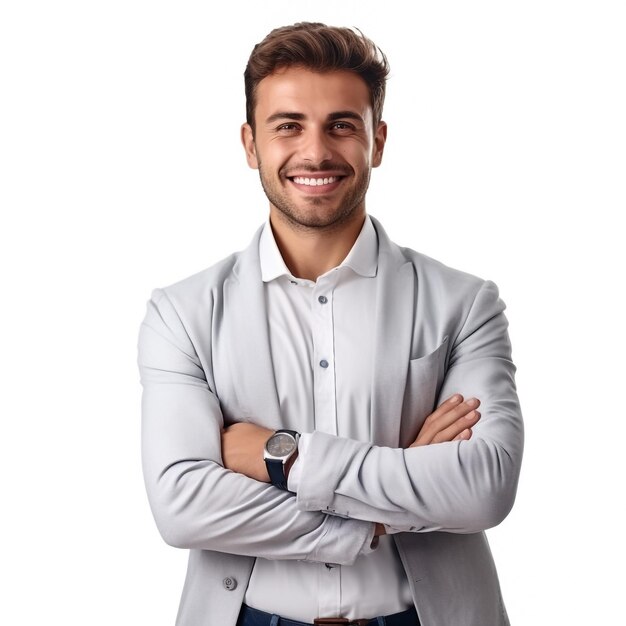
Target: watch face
281 444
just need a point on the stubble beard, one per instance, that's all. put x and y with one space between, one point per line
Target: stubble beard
305 216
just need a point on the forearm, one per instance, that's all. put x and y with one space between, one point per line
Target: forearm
197 503
460 487
201 505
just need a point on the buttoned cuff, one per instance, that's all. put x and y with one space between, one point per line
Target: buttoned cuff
343 541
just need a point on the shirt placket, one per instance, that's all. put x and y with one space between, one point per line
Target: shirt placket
325 404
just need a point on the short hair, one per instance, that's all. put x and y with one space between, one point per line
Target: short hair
319 48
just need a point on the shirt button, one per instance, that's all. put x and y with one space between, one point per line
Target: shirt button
324 363
229 583
322 299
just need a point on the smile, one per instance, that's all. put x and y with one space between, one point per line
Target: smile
315 182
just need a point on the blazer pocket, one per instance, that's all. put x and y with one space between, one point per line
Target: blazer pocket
424 379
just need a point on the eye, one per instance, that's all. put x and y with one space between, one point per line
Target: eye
342 127
288 128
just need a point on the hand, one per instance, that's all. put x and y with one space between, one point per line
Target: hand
242 450
452 421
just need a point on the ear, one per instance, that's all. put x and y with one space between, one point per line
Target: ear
247 139
380 137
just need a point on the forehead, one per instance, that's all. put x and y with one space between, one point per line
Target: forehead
301 90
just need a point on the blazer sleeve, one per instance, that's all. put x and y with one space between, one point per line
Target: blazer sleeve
196 502
460 487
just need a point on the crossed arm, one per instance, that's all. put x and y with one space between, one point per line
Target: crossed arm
464 484
243 442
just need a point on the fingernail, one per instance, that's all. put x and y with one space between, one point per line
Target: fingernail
472 402
472 416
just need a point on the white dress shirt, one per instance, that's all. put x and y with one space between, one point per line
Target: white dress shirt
320 338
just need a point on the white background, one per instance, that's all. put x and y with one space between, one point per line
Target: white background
121 171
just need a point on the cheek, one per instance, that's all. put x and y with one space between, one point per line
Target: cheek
359 151
359 157
274 155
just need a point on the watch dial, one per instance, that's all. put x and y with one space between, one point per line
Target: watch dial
281 444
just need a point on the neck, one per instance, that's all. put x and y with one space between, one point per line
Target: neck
311 252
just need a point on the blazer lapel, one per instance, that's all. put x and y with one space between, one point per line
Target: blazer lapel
246 325
395 315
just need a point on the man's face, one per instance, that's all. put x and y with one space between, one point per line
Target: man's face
314 145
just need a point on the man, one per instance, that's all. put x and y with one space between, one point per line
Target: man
369 504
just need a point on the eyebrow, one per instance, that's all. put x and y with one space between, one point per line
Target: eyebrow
298 117
284 115
342 115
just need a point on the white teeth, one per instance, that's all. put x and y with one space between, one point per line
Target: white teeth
315 182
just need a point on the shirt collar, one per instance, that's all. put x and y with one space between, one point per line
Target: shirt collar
362 258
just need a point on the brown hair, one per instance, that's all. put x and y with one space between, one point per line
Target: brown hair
320 48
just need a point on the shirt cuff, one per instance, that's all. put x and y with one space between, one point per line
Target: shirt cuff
295 473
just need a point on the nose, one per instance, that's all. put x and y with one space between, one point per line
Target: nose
316 146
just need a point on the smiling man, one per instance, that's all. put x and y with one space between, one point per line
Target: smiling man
311 430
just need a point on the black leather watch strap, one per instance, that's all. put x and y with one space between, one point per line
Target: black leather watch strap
276 471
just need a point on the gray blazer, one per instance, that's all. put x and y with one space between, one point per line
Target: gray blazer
205 361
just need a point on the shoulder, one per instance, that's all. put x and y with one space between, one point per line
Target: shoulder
202 289
430 273
438 276
200 285
453 290
441 290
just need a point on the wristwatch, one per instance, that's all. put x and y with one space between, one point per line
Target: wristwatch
279 448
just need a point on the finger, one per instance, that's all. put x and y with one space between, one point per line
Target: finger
446 406
454 412
456 428
436 423
464 435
